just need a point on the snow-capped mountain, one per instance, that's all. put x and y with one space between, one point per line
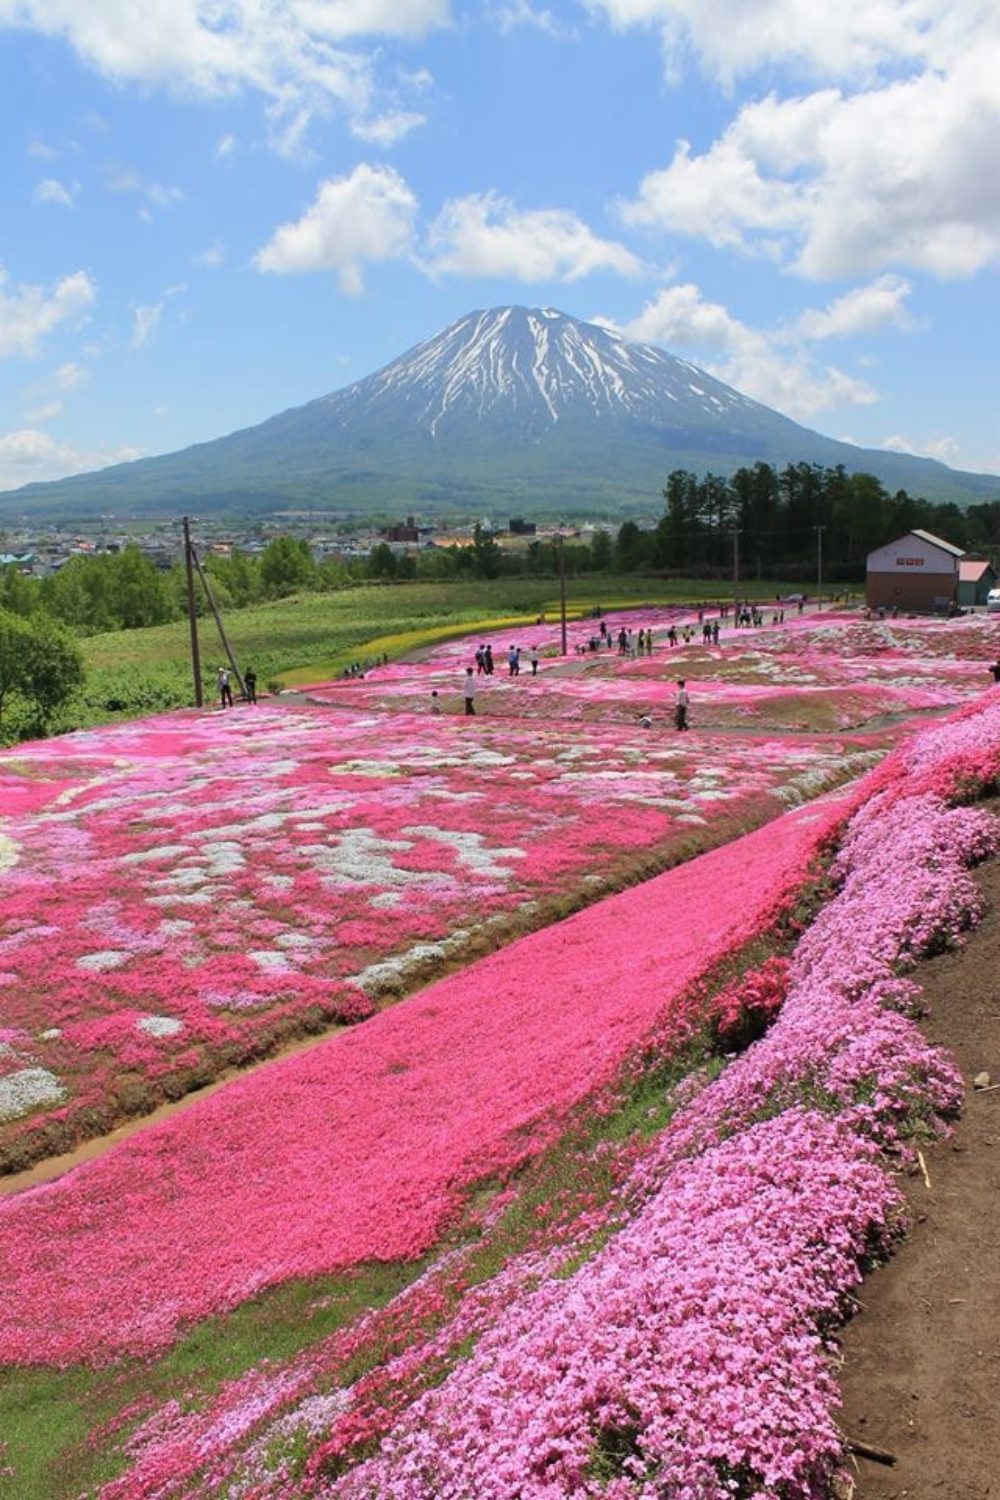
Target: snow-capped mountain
536 366
513 408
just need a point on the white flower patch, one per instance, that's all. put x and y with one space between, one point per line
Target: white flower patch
28 1089
173 927
162 851
10 853
270 960
52 1034
470 849
386 899
196 898
389 975
294 940
310 827
361 858
691 818
279 882
100 963
178 879
224 857
159 1025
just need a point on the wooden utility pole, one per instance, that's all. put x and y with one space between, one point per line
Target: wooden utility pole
218 620
819 566
736 574
192 615
562 590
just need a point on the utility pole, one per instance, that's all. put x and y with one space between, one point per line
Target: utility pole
819 565
206 585
192 615
562 591
736 574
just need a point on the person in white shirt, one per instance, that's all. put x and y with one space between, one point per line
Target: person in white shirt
469 687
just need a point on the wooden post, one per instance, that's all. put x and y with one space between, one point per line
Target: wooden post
192 615
218 620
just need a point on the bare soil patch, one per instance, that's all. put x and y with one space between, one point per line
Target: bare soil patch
921 1376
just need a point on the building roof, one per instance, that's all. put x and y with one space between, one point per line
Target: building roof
972 571
936 541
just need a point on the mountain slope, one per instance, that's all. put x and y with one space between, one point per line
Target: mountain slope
507 409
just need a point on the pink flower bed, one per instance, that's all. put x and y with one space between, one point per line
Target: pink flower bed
692 1354
179 891
819 671
361 1148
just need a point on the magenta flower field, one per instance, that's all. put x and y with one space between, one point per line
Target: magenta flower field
578 1218
200 885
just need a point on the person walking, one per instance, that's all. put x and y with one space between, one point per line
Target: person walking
225 691
250 684
488 660
470 692
681 705
533 658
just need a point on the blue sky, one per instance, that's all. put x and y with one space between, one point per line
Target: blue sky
214 211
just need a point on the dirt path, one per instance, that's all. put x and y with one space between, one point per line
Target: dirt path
922 1360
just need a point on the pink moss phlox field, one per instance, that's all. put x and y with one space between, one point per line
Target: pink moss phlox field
359 1149
684 1357
192 887
631 1378
688 1357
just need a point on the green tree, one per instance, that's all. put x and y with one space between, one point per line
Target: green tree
381 561
486 554
286 566
602 553
40 664
15 632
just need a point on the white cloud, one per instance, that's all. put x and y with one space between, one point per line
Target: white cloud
772 366
224 147
51 190
521 13
69 376
486 235
125 179
145 321
46 413
368 216
386 130
297 54
882 170
849 39
41 151
212 256
28 313
30 455
866 309
944 448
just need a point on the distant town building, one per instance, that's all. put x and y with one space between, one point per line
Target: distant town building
917 573
403 531
518 526
975 579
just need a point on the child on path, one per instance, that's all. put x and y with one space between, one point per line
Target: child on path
470 692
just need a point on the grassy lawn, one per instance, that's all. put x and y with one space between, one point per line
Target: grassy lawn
309 637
